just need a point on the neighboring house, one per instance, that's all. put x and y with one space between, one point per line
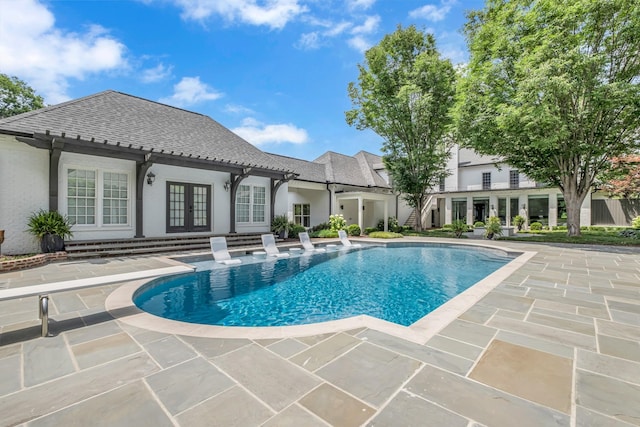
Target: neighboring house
120 166
477 188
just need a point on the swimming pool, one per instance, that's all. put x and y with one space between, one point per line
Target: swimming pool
400 284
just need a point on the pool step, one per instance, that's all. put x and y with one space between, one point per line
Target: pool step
155 245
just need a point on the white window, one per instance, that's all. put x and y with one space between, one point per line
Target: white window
250 204
91 192
81 196
302 214
115 198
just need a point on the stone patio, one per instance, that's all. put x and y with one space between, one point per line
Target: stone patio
555 343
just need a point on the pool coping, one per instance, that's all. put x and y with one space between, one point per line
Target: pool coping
120 304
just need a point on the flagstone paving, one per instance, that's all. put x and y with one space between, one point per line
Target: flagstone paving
557 343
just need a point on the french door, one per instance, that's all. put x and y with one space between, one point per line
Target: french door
188 207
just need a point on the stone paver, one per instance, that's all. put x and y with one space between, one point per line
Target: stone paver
557 342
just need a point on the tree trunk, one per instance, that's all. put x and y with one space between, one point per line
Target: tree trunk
573 199
419 206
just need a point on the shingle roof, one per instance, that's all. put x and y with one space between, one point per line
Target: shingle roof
306 170
352 170
126 119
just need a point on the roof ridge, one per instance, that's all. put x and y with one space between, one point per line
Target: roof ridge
159 103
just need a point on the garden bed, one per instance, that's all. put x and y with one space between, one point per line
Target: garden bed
20 262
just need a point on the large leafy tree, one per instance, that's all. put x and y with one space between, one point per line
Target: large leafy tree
17 97
552 88
404 93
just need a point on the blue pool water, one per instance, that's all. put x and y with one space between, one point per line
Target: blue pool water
397 284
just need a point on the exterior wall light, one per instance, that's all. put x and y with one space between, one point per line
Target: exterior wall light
151 177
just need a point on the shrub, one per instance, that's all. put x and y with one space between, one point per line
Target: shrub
370 230
326 233
49 222
353 230
519 221
321 226
295 230
635 223
337 222
478 224
630 233
447 226
385 235
493 228
280 224
392 223
535 226
458 227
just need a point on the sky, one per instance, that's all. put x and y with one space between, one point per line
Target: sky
273 71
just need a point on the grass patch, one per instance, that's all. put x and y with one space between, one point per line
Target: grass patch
436 232
385 235
589 236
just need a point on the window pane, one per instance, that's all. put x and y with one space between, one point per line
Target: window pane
115 203
80 193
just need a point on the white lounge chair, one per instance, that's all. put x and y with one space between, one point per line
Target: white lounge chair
307 245
220 252
269 244
345 240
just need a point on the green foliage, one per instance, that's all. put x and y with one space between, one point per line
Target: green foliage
49 222
385 235
337 222
635 223
630 233
17 97
519 221
447 226
458 227
493 228
280 224
392 224
535 226
404 93
550 89
369 230
353 230
295 230
321 226
326 233
478 224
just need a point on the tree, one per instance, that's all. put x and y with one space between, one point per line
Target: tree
17 97
552 88
623 180
404 93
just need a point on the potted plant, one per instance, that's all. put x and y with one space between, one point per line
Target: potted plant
519 221
493 228
50 228
281 225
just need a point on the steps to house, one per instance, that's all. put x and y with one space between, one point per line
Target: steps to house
150 245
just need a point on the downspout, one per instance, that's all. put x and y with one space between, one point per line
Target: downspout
54 162
330 199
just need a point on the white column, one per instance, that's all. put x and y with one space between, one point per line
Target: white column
386 215
360 206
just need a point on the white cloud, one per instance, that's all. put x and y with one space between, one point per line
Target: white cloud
189 91
259 133
308 41
271 13
33 49
359 41
432 12
369 26
360 4
156 74
237 109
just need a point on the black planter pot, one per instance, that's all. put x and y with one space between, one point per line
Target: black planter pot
51 243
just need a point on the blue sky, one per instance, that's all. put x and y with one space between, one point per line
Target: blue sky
273 71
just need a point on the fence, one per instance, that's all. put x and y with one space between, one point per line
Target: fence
617 212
